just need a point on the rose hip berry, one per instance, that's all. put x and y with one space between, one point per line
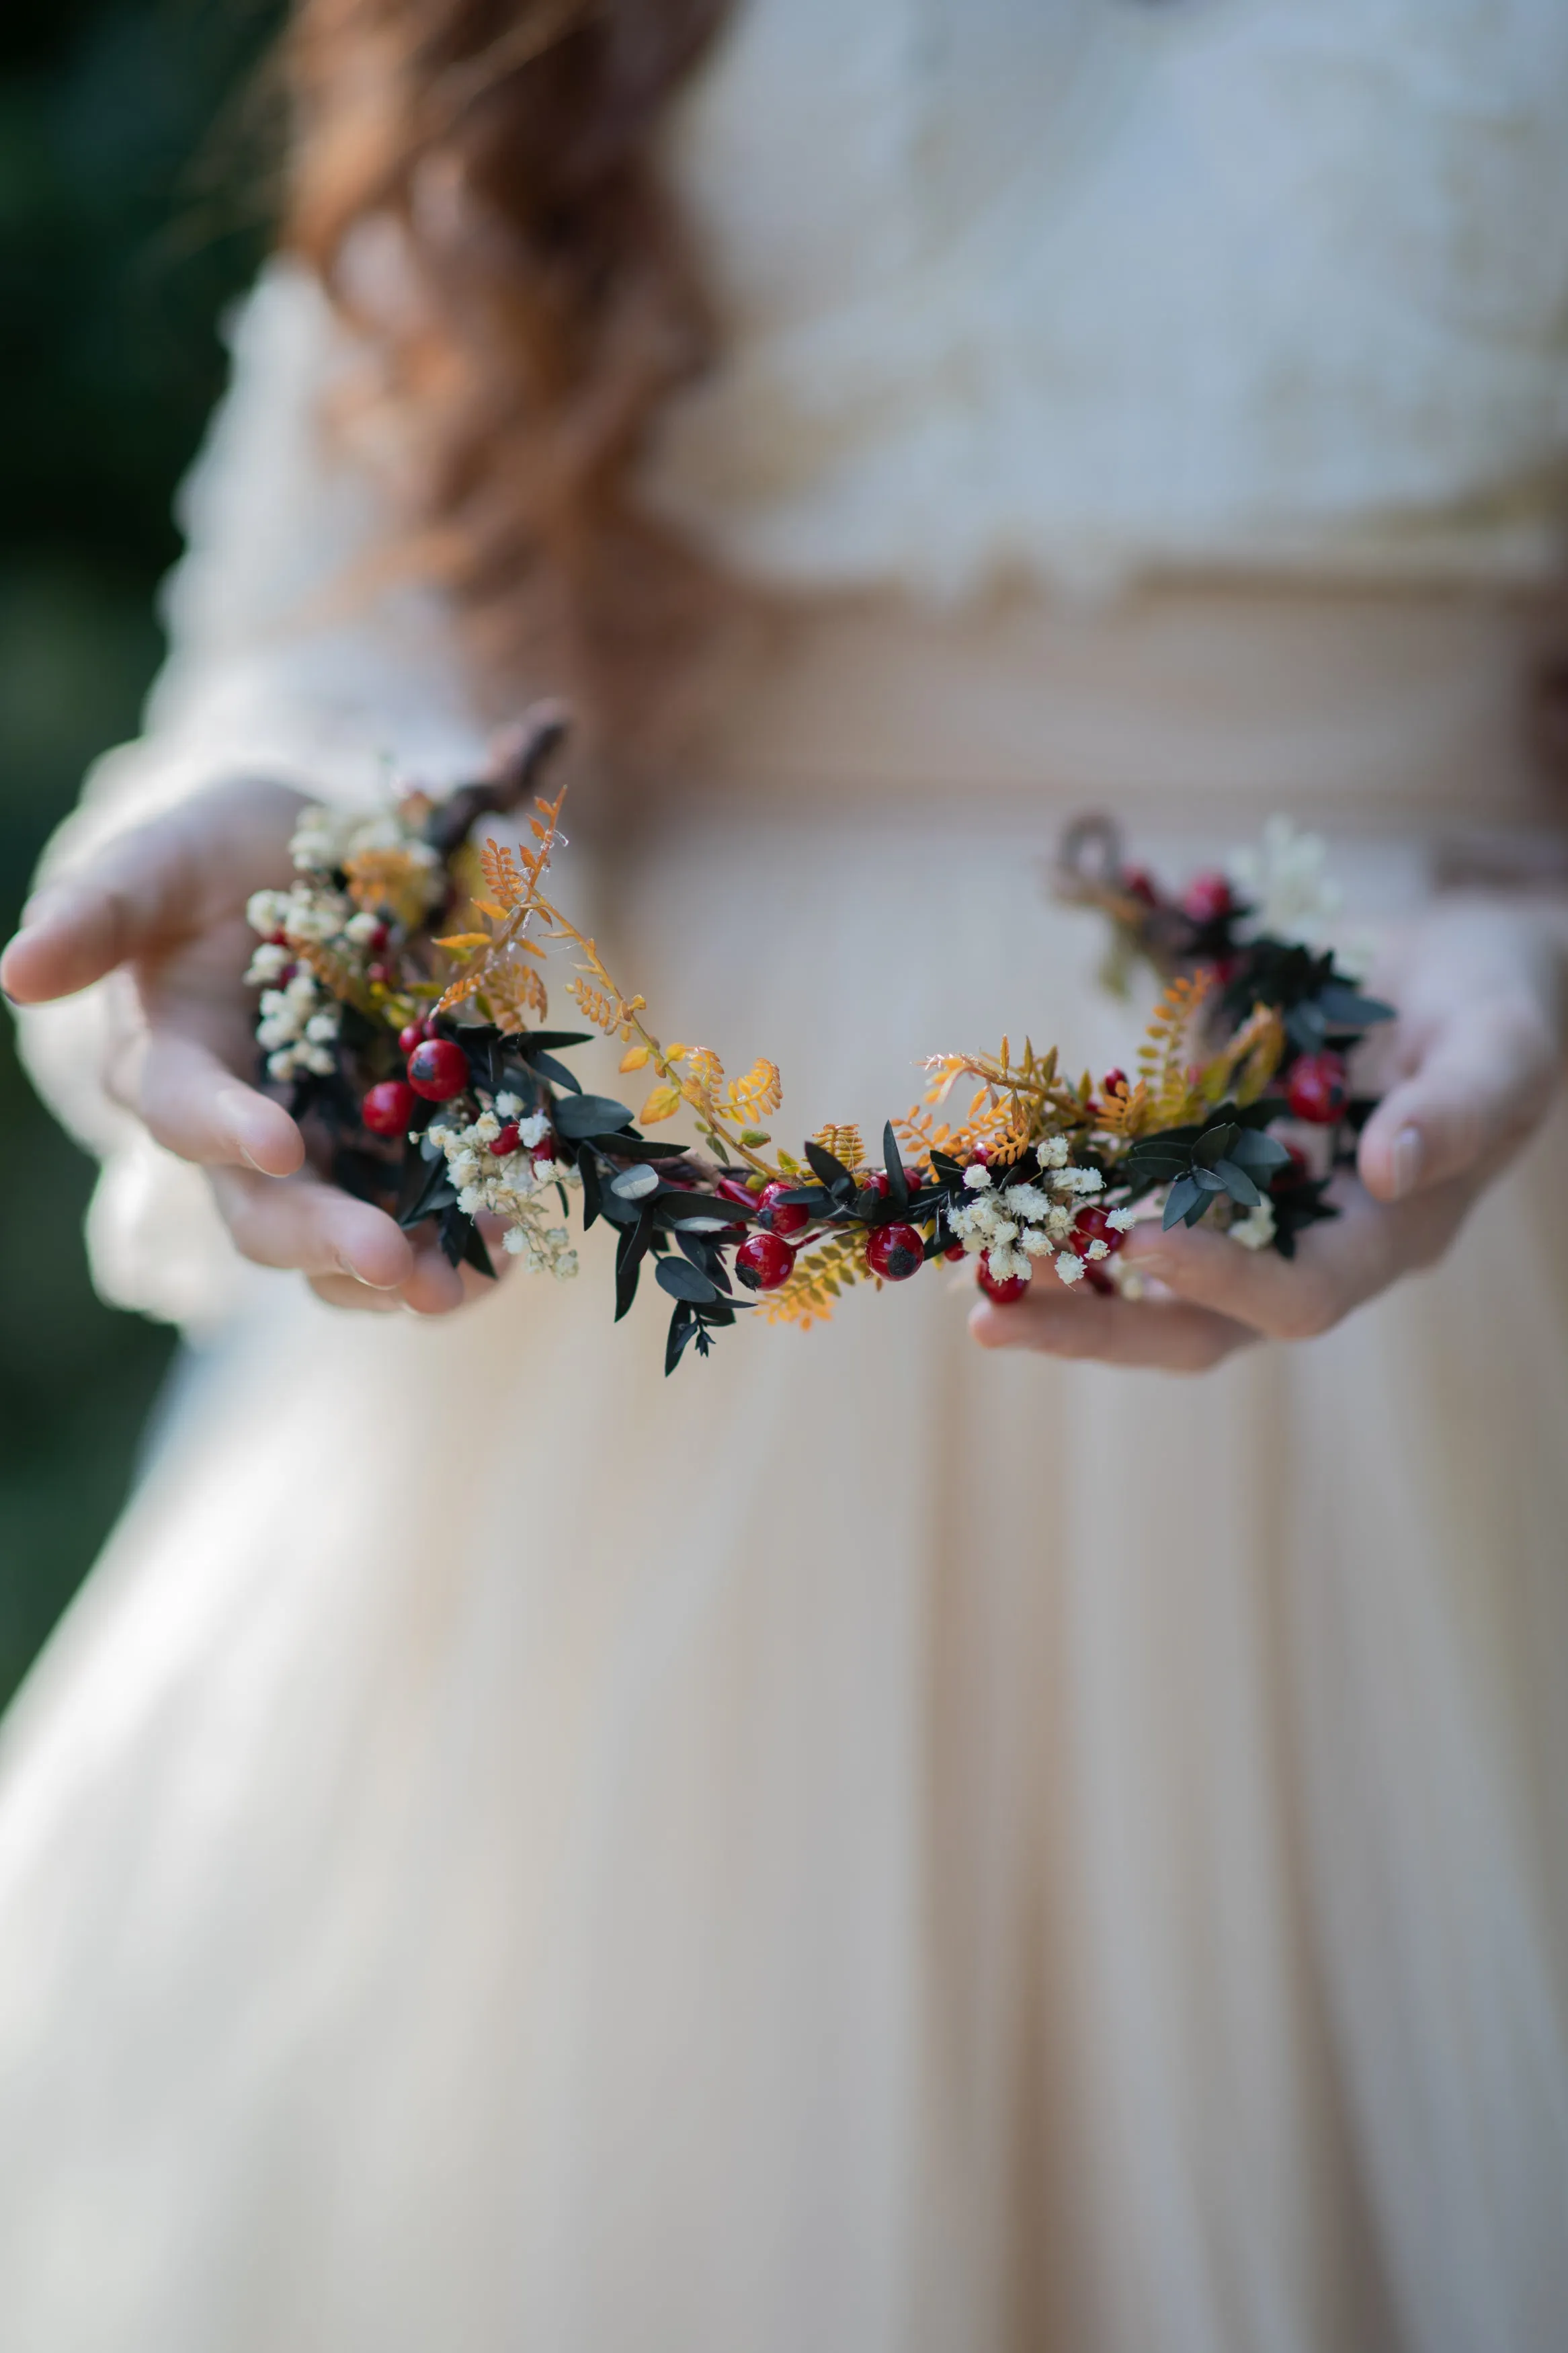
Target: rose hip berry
1138 884
1207 899
439 1070
1093 1225
388 1108
1315 1088
764 1261
895 1252
1110 1081
506 1142
413 1035
782 1217
544 1149
1003 1288
733 1188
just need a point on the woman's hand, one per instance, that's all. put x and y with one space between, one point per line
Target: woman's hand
167 903
1469 1069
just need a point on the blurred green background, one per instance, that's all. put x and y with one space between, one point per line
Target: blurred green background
133 187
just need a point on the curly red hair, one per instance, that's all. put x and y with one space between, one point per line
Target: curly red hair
511 145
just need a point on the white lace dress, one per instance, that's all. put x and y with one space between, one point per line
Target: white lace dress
866 1845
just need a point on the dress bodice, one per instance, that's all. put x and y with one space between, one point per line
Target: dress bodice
1076 289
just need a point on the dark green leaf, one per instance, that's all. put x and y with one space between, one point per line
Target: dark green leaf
1214 1143
1257 1153
832 1172
1237 1184
437 1193
630 1251
557 1073
898 1182
593 1194
683 1327
1183 1194
588 1115
682 1280
1348 1009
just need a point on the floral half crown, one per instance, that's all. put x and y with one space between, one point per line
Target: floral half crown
403 1003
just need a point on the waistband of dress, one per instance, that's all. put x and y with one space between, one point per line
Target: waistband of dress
1351 710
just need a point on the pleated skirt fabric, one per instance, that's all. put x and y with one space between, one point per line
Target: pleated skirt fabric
864 1845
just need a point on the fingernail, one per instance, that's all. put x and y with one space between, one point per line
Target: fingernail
1405 1159
358 1274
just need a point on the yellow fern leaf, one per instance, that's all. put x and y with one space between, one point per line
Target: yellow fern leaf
661 1104
635 1059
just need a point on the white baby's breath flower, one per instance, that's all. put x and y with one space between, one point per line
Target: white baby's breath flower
1070 1267
1287 882
977 1177
268 962
509 1106
1052 1152
1255 1230
1122 1219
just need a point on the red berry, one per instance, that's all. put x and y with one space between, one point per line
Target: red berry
286 975
1207 899
1137 883
895 1252
544 1149
780 1216
1098 1279
379 937
877 1181
1093 1225
1110 1081
388 1108
413 1035
955 1250
506 1141
732 1188
1315 1088
1003 1291
277 939
764 1261
439 1070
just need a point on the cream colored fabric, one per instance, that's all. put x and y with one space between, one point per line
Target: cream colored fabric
864 1846
1077 288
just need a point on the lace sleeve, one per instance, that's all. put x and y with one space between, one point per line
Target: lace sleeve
285 658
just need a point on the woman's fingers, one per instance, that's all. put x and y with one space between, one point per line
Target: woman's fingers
1477 1090
299 1221
343 1290
434 1288
1158 1335
1337 1266
156 883
191 1102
